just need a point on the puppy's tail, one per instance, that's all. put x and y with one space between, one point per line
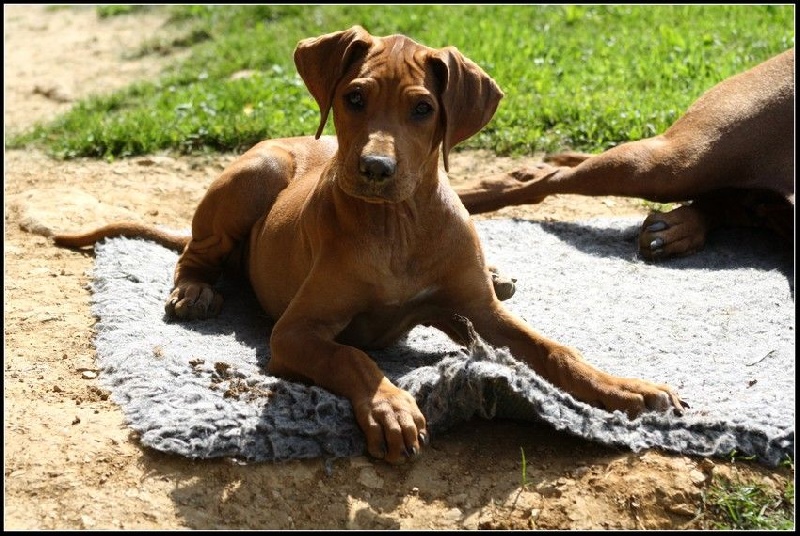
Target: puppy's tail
567 159
127 229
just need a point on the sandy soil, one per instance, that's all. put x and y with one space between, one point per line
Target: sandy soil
70 461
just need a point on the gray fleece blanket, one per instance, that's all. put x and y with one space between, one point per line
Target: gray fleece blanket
719 326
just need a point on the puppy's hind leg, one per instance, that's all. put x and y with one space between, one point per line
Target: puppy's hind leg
221 225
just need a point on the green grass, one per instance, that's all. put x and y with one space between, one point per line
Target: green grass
749 506
580 77
114 10
524 468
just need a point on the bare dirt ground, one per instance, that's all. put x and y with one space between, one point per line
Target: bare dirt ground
70 461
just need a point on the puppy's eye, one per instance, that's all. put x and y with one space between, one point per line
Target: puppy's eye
355 100
422 109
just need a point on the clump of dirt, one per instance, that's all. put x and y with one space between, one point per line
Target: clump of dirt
72 463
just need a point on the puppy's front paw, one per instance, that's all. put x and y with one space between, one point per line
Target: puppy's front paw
568 370
393 424
192 301
635 396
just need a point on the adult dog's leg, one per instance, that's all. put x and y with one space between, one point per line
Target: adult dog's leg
739 134
656 168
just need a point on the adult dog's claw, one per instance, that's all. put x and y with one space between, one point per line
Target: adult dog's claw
656 226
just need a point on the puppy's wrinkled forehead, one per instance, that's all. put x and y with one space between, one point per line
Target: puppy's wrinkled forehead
394 58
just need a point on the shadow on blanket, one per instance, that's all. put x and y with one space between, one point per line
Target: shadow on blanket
718 326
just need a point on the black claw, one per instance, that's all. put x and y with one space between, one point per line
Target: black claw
381 452
423 438
657 226
679 411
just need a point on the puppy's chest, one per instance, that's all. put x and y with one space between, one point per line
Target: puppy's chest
390 314
398 279
389 298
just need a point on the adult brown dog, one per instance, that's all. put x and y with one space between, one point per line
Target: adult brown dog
731 155
351 241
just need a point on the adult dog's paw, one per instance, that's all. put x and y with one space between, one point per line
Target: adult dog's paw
677 233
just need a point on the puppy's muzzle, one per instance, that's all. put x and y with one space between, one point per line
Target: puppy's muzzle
377 168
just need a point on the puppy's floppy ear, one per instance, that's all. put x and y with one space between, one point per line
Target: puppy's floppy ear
322 61
469 97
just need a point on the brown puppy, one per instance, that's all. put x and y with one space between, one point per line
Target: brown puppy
731 154
349 242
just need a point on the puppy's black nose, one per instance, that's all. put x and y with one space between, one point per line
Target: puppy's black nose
378 168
